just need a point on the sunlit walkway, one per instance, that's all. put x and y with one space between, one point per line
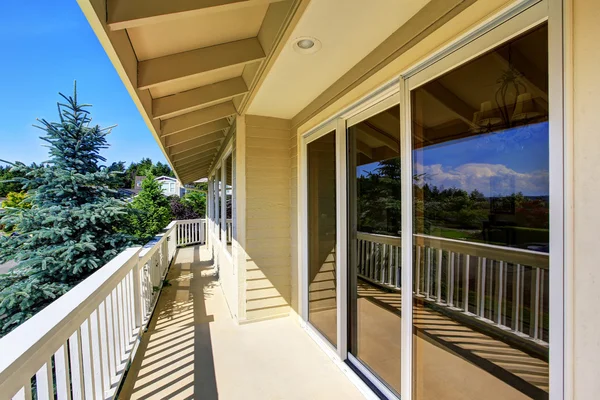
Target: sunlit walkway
194 350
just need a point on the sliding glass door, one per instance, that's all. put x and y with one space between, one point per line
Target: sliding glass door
322 240
427 223
481 208
374 228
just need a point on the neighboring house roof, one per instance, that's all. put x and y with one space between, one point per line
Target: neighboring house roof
166 178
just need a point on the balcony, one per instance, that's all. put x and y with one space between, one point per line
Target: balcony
154 323
113 335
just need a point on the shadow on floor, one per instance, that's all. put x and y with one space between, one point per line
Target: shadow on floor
175 358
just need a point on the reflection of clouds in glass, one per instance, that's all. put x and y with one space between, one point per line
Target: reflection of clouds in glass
490 179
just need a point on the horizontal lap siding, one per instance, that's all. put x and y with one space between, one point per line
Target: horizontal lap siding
293 151
268 169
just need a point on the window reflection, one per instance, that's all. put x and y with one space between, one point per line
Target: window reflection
322 288
374 244
481 226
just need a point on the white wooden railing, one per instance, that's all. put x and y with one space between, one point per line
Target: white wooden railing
80 345
501 286
191 231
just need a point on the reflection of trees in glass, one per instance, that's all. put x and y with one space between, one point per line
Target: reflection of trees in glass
513 220
379 205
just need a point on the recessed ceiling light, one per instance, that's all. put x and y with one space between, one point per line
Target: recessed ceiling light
306 45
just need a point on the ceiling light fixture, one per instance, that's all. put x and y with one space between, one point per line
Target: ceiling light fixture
306 45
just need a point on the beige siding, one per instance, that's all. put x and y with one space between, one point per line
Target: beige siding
294 218
267 245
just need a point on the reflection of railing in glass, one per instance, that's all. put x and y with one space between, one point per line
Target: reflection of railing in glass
505 288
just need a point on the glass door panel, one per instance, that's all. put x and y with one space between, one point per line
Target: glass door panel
322 286
481 226
374 244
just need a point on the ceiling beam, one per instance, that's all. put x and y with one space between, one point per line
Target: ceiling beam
161 70
196 118
193 172
195 176
192 160
193 167
209 132
376 134
124 14
191 153
451 101
364 148
191 100
191 145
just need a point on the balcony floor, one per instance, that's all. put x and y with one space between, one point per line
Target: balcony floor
194 350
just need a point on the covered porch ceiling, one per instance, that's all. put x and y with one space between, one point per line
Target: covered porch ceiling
190 66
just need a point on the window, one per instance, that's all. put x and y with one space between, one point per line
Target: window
374 244
228 201
322 290
481 226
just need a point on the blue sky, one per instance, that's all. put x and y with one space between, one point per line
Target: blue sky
46 45
514 160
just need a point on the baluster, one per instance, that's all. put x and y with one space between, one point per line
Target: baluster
382 266
391 265
418 271
438 274
450 279
500 292
398 268
96 354
480 286
535 303
125 313
76 365
25 392
121 325
466 283
541 304
110 333
43 381
428 273
117 329
61 371
104 349
505 293
366 256
516 296
490 289
86 352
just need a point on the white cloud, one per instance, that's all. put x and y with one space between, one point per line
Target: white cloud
490 179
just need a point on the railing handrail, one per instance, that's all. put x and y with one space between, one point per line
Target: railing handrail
38 338
146 251
493 252
112 306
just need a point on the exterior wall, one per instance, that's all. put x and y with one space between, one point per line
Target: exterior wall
585 95
294 219
267 219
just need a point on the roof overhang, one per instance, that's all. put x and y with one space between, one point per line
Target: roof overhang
192 66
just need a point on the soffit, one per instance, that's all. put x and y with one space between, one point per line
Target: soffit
194 81
190 65
176 36
348 30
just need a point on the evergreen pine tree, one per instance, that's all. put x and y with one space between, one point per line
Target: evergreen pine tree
151 210
75 223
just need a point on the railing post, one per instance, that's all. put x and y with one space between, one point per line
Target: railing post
137 294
